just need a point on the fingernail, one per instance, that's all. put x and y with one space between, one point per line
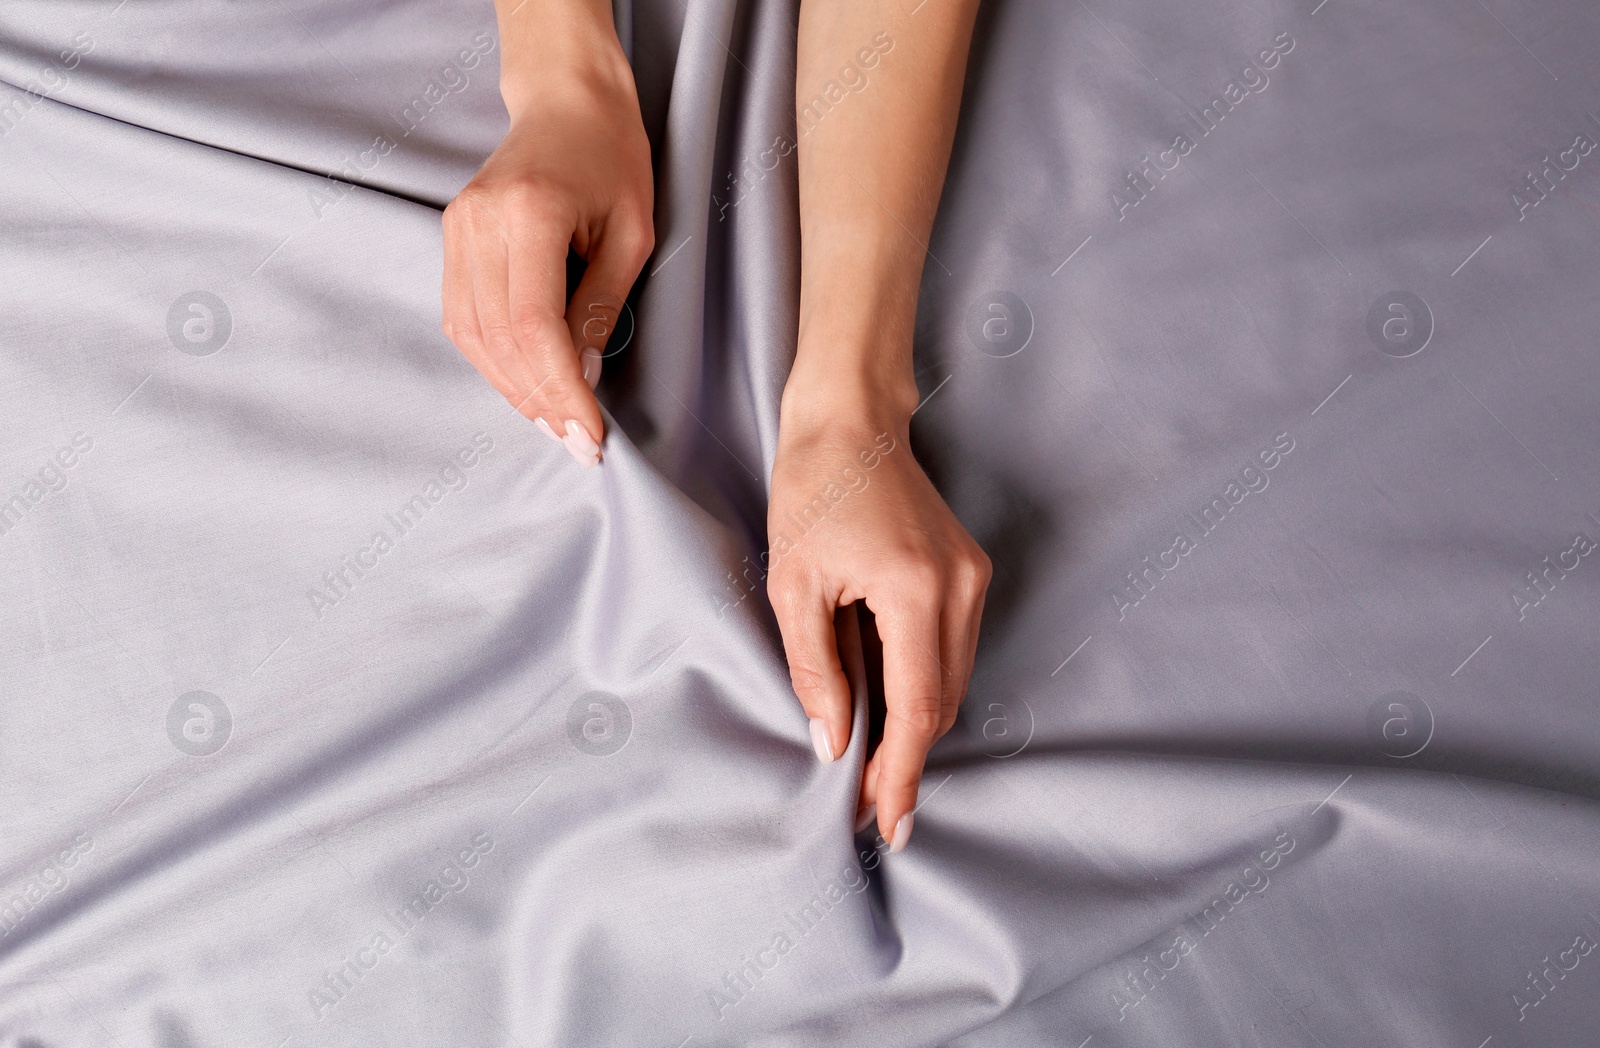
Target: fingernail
586 461
867 817
820 741
590 359
902 833
581 446
544 427
579 438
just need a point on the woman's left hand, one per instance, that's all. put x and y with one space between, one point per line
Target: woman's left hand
853 517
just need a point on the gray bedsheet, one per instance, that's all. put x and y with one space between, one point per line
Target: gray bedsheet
340 708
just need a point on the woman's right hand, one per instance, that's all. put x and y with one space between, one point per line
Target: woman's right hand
573 170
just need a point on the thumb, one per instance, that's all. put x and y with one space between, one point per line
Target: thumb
599 303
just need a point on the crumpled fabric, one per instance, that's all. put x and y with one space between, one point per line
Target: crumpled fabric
1256 343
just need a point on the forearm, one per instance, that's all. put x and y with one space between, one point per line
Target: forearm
872 161
550 48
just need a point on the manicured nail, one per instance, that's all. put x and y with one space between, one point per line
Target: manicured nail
579 438
589 357
902 833
581 446
544 427
867 817
820 741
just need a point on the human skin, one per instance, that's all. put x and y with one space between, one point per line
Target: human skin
871 170
575 170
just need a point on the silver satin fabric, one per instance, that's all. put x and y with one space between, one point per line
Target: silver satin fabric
342 709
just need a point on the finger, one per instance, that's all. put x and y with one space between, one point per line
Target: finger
460 317
974 628
867 798
536 303
613 265
805 614
487 259
980 592
847 626
493 279
913 697
956 662
485 239
958 637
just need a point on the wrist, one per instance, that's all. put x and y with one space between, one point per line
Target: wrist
853 355
574 56
827 394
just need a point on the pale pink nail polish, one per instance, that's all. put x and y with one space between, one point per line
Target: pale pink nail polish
584 460
902 833
579 438
589 357
820 741
867 817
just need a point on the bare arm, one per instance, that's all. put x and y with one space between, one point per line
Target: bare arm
574 170
853 517
872 167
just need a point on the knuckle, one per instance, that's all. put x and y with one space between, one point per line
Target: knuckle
527 194
496 331
636 237
786 578
526 324
787 595
464 334
499 338
810 681
533 203
471 204
918 718
973 572
503 207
